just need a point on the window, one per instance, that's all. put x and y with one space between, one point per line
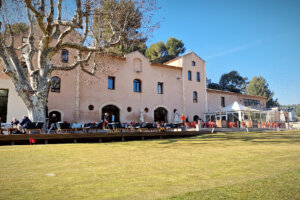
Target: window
223 101
189 75
198 76
193 63
137 85
91 107
55 84
160 88
146 109
111 82
129 109
195 97
64 56
251 102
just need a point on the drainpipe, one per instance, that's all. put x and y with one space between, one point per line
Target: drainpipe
183 87
77 94
206 100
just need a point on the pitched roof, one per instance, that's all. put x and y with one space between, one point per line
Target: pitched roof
183 56
232 93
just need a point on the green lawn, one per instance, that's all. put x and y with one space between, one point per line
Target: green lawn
212 166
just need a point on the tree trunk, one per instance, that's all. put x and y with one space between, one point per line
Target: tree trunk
38 112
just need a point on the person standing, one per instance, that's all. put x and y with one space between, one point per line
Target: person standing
182 118
53 120
105 121
112 118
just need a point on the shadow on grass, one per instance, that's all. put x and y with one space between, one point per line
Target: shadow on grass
243 137
281 186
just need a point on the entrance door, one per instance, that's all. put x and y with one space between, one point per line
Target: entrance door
160 115
112 111
3 104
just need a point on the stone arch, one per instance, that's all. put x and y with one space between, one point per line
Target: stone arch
117 106
56 111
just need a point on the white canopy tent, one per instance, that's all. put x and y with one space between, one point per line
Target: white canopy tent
235 106
236 110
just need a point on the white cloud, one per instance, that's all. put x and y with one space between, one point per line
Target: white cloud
233 50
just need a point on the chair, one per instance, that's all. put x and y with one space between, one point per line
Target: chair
63 127
77 127
34 126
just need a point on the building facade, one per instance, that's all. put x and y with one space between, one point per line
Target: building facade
129 88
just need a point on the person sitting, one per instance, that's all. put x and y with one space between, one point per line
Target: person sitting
19 129
14 122
24 121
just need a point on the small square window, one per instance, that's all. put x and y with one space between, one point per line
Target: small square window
193 63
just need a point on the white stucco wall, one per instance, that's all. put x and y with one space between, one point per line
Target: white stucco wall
15 106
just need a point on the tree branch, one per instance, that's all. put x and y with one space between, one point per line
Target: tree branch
30 43
74 65
38 14
59 10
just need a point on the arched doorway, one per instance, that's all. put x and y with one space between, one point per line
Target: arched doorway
196 118
112 111
58 115
160 115
53 119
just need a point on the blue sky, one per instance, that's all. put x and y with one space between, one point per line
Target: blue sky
254 37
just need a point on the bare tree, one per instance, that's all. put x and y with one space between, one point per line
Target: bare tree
33 82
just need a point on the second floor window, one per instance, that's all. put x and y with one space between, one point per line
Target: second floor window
189 75
55 84
64 56
251 102
160 88
198 76
195 97
193 63
111 82
137 85
223 101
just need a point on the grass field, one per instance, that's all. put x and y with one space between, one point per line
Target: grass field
212 166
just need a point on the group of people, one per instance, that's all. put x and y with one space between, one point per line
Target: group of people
20 126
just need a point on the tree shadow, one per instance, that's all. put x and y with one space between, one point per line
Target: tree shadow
256 138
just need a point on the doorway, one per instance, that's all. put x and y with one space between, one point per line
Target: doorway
161 115
3 104
113 113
